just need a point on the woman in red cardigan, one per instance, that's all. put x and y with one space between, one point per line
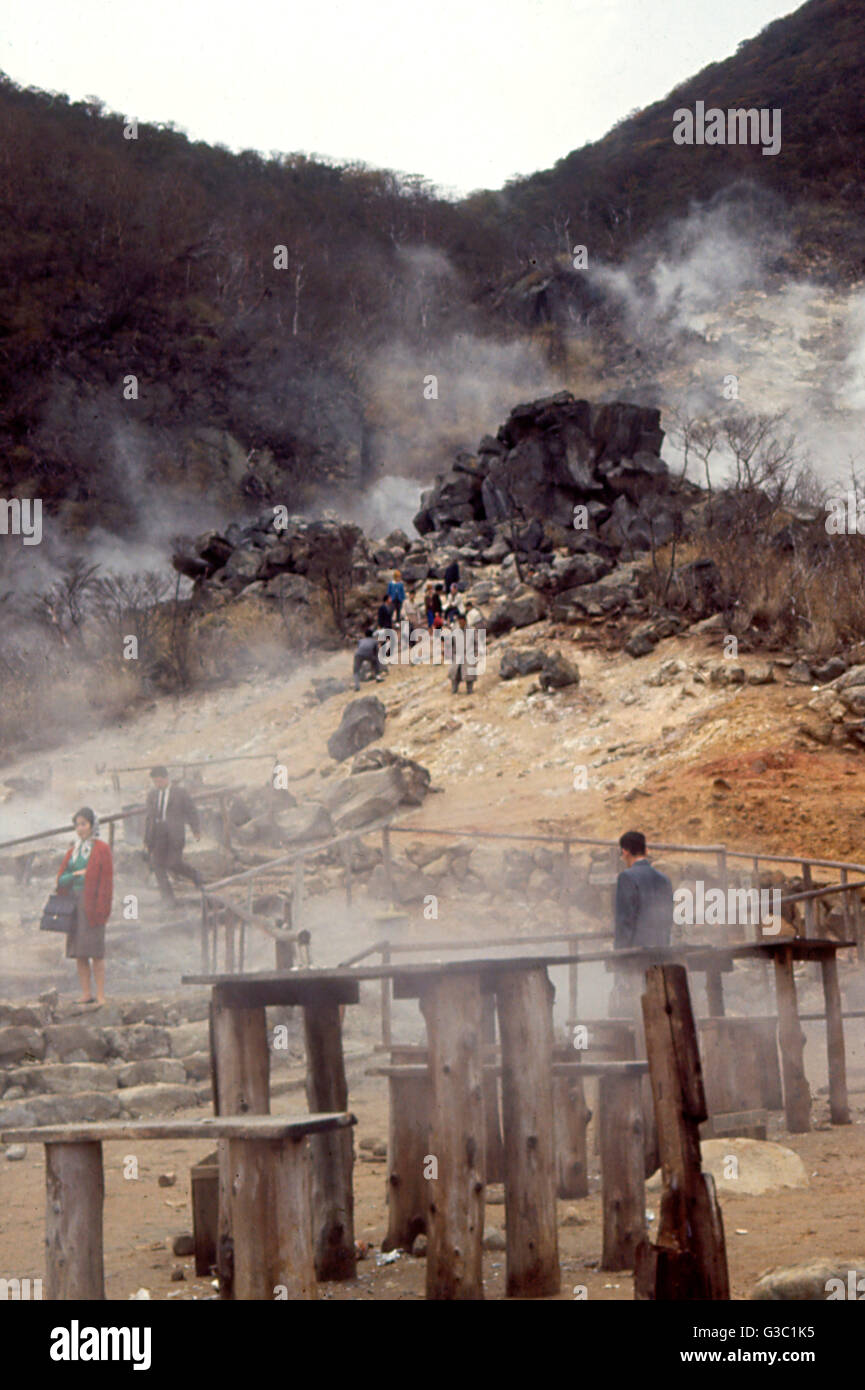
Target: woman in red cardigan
87 872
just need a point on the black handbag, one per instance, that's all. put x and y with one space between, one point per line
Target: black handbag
60 913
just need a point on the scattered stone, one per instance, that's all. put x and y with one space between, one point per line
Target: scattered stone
519 663
798 1283
21 1044
177 1275
800 673
640 643
761 674
419 1246
363 721
557 672
167 1179
183 1245
494 1240
16 1152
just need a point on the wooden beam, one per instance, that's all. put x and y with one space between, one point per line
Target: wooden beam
75 1190
242 1083
620 1105
408 1145
791 1039
525 1006
688 1259
333 1157
451 1006
838 1104
271 1218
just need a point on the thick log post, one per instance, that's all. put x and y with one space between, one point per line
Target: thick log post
571 1119
333 1154
408 1145
715 991
689 1260
241 1083
270 1197
838 1105
525 1003
622 1179
451 1006
493 1147
797 1095
75 1190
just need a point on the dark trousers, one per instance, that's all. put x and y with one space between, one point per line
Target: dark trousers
166 857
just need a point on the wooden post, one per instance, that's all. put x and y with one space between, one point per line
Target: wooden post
573 984
571 1116
230 928
858 927
723 877
797 1096
494 1170
622 1177
715 990
689 1259
566 885
846 912
386 989
408 1146
271 1219
204 929
838 1106
241 1076
333 1152
451 1005
386 861
111 835
297 896
525 1004
75 1191
810 922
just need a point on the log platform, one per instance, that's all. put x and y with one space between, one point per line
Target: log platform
269 1194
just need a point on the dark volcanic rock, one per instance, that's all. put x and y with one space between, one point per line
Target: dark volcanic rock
362 722
557 672
519 663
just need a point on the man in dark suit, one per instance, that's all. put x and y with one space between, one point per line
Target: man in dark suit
169 810
644 897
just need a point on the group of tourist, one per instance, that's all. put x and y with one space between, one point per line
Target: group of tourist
434 607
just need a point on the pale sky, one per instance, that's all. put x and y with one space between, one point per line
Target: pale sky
466 92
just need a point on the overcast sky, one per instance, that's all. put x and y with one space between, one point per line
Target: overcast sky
465 92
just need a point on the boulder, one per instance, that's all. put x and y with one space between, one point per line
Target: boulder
415 777
362 722
520 610
641 641
66 1078
368 796
557 672
139 1041
75 1042
328 687
151 1070
189 1037
820 1280
62 1109
158 1099
519 663
196 1066
19 1043
25 1015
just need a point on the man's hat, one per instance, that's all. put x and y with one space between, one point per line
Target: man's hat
159 771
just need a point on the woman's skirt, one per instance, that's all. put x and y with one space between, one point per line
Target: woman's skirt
85 942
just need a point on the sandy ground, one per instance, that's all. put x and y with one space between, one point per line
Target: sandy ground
786 1227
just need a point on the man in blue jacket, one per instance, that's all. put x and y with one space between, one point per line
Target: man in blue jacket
644 897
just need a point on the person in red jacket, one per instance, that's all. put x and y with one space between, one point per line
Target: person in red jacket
87 872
